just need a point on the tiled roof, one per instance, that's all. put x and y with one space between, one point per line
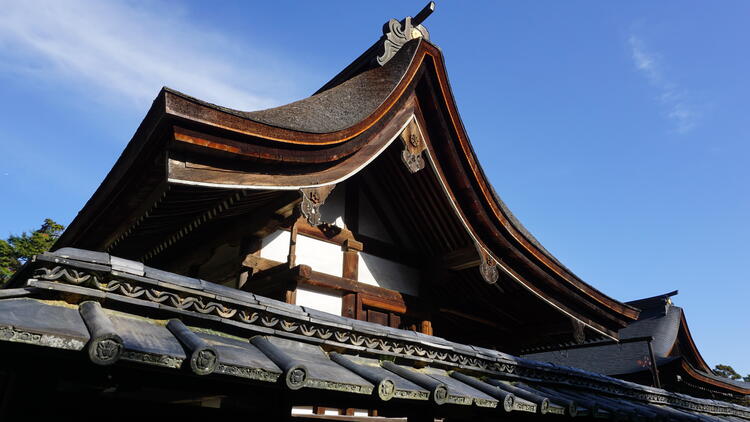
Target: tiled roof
127 312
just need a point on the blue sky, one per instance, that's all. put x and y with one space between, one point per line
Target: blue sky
617 132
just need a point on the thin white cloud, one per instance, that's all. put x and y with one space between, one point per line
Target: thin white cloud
678 108
127 51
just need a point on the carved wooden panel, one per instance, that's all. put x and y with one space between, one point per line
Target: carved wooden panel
312 200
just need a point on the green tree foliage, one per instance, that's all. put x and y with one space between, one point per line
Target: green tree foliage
16 250
727 371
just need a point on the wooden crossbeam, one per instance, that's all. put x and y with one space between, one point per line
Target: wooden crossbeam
278 278
460 259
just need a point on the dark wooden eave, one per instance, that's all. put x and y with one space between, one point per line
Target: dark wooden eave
183 141
713 382
696 368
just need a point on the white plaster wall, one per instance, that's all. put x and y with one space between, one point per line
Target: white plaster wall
302 410
319 255
332 210
388 274
275 246
322 301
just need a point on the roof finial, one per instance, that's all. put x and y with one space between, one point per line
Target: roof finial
424 13
397 33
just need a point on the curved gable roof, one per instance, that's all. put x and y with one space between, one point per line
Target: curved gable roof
332 135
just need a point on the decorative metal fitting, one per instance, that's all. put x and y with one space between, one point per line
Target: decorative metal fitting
487 266
414 144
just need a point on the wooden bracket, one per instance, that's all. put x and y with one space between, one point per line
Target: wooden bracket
312 200
414 144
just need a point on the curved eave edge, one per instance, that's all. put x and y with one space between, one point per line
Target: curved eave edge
691 343
629 313
698 375
189 108
132 153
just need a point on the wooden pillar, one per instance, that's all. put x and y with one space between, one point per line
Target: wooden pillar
249 246
426 327
359 310
290 296
351 249
349 305
292 257
351 264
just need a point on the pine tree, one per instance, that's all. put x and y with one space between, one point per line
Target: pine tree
17 249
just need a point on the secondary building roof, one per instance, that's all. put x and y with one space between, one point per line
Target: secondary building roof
121 313
680 364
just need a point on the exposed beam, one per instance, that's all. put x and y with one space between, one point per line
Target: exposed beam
372 295
274 276
277 278
259 264
460 259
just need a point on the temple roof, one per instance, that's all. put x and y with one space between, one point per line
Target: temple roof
666 326
120 312
326 139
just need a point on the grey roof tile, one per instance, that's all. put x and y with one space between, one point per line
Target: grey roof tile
225 291
82 255
165 276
